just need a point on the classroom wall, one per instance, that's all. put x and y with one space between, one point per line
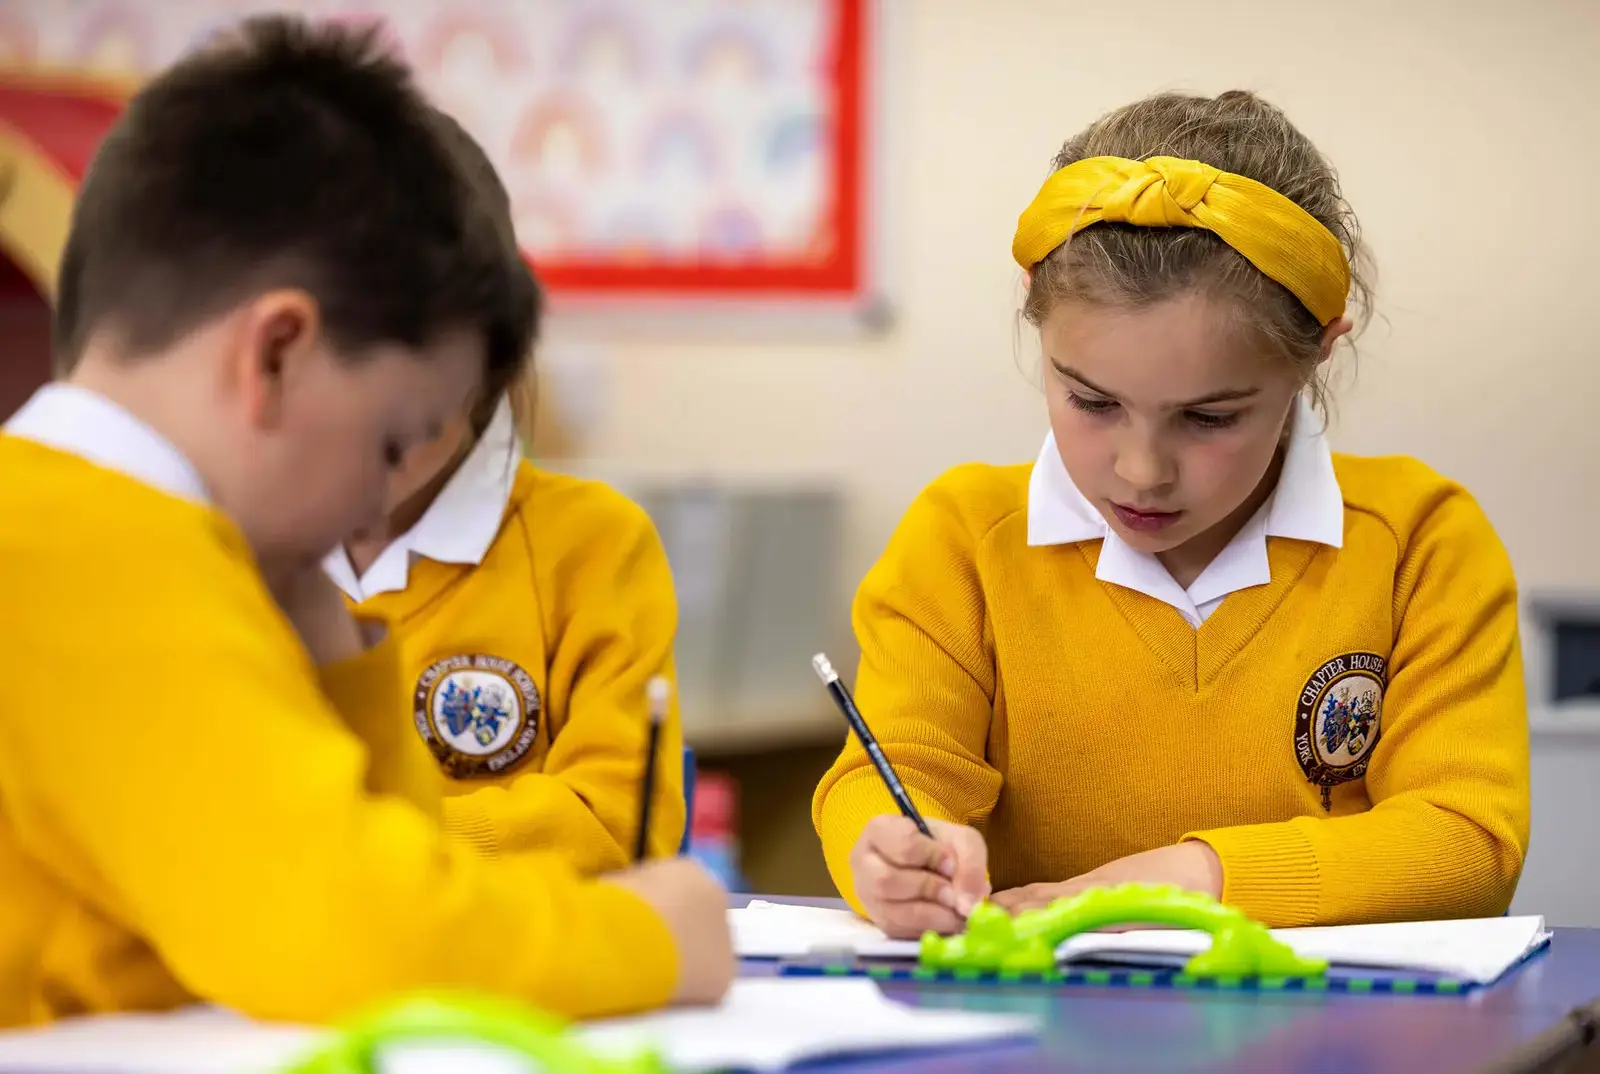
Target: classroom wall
1469 140
1561 878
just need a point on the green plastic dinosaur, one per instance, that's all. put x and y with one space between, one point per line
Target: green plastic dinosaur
996 942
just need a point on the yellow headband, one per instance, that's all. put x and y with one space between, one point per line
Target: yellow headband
1272 232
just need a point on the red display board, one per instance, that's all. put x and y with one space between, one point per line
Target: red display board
49 128
697 149
831 267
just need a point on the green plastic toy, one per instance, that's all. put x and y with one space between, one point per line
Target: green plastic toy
996 942
357 1048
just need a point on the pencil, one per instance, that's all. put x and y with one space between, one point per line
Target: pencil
852 715
659 691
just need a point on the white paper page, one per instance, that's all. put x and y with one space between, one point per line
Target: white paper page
764 1024
1478 950
778 930
202 1040
770 1023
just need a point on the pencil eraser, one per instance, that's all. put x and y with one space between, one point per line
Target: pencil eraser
659 691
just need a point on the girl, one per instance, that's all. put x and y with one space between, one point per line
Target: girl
1188 645
532 610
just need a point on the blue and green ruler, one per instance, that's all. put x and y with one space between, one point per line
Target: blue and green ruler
998 948
1333 981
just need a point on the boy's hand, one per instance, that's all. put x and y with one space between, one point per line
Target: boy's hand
320 615
695 908
909 883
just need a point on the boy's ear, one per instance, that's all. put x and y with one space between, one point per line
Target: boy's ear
278 333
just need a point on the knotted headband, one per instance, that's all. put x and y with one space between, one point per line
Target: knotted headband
1270 231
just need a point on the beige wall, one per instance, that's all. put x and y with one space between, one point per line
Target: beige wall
1468 135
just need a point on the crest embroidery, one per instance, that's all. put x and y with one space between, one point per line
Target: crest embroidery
1338 720
478 714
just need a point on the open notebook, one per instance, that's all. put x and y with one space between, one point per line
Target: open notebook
764 1024
1479 950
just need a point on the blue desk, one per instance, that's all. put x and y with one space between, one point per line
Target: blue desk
1120 1031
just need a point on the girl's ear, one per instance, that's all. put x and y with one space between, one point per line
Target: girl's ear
1331 335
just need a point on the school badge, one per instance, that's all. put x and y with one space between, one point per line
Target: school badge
1338 720
478 714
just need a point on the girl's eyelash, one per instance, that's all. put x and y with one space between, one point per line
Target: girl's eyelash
1200 418
1090 406
1211 421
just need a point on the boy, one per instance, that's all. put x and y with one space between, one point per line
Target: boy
279 277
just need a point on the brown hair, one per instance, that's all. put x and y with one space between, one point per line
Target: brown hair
1120 264
288 154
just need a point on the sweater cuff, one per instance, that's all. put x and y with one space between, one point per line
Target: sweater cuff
1269 871
640 935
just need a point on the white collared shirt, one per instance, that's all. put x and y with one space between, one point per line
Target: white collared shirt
87 424
458 526
1307 505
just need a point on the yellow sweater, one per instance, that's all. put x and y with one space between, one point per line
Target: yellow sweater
568 616
187 813
1076 722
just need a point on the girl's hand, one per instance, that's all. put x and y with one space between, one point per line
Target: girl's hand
910 884
1193 866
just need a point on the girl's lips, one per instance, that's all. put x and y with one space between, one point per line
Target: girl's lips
1145 521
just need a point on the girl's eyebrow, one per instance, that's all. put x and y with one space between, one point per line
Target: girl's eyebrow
1226 395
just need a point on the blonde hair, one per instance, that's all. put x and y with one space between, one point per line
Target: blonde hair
1126 265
